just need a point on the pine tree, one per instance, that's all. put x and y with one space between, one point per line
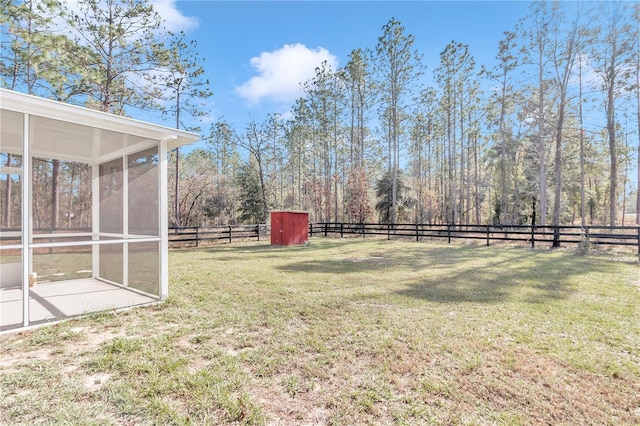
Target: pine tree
384 194
399 66
180 86
122 36
251 208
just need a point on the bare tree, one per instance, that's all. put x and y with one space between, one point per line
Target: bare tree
611 51
566 42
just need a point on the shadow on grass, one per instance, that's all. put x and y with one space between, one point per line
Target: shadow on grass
531 277
414 257
457 274
437 273
336 266
264 250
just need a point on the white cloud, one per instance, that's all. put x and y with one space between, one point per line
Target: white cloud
173 19
280 73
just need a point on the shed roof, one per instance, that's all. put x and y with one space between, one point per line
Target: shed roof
63 131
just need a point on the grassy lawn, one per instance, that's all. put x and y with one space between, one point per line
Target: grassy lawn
347 332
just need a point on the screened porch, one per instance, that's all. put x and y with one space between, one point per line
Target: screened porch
83 208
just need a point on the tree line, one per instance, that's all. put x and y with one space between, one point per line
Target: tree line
548 133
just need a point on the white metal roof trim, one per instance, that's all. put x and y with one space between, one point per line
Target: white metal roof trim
29 104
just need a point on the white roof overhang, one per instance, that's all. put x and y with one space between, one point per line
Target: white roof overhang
68 132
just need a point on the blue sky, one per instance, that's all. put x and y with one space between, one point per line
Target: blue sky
257 52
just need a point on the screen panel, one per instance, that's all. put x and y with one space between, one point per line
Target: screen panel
144 267
143 210
111 193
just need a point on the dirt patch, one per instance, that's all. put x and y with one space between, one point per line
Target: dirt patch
11 361
283 409
96 381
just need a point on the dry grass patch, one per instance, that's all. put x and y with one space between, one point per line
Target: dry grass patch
347 332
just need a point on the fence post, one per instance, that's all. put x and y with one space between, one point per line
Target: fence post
197 236
638 240
258 231
587 234
533 236
229 234
556 236
325 229
488 229
417 233
388 231
310 229
448 233
341 229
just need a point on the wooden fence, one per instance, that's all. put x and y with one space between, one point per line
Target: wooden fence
623 236
552 236
194 235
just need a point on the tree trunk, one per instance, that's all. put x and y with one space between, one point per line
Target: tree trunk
176 192
541 145
176 189
72 179
558 175
55 194
394 187
613 153
475 179
7 197
624 180
582 212
638 119
263 188
504 149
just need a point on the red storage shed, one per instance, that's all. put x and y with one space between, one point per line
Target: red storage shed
289 228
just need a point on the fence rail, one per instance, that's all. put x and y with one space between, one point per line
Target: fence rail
229 233
554 236
624 236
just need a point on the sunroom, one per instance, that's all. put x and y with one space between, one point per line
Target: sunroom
83 210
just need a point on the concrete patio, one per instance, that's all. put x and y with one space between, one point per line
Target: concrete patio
54 301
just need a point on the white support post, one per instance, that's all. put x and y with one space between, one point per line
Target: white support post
95 204
27 230
163 206
125 220
95 219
